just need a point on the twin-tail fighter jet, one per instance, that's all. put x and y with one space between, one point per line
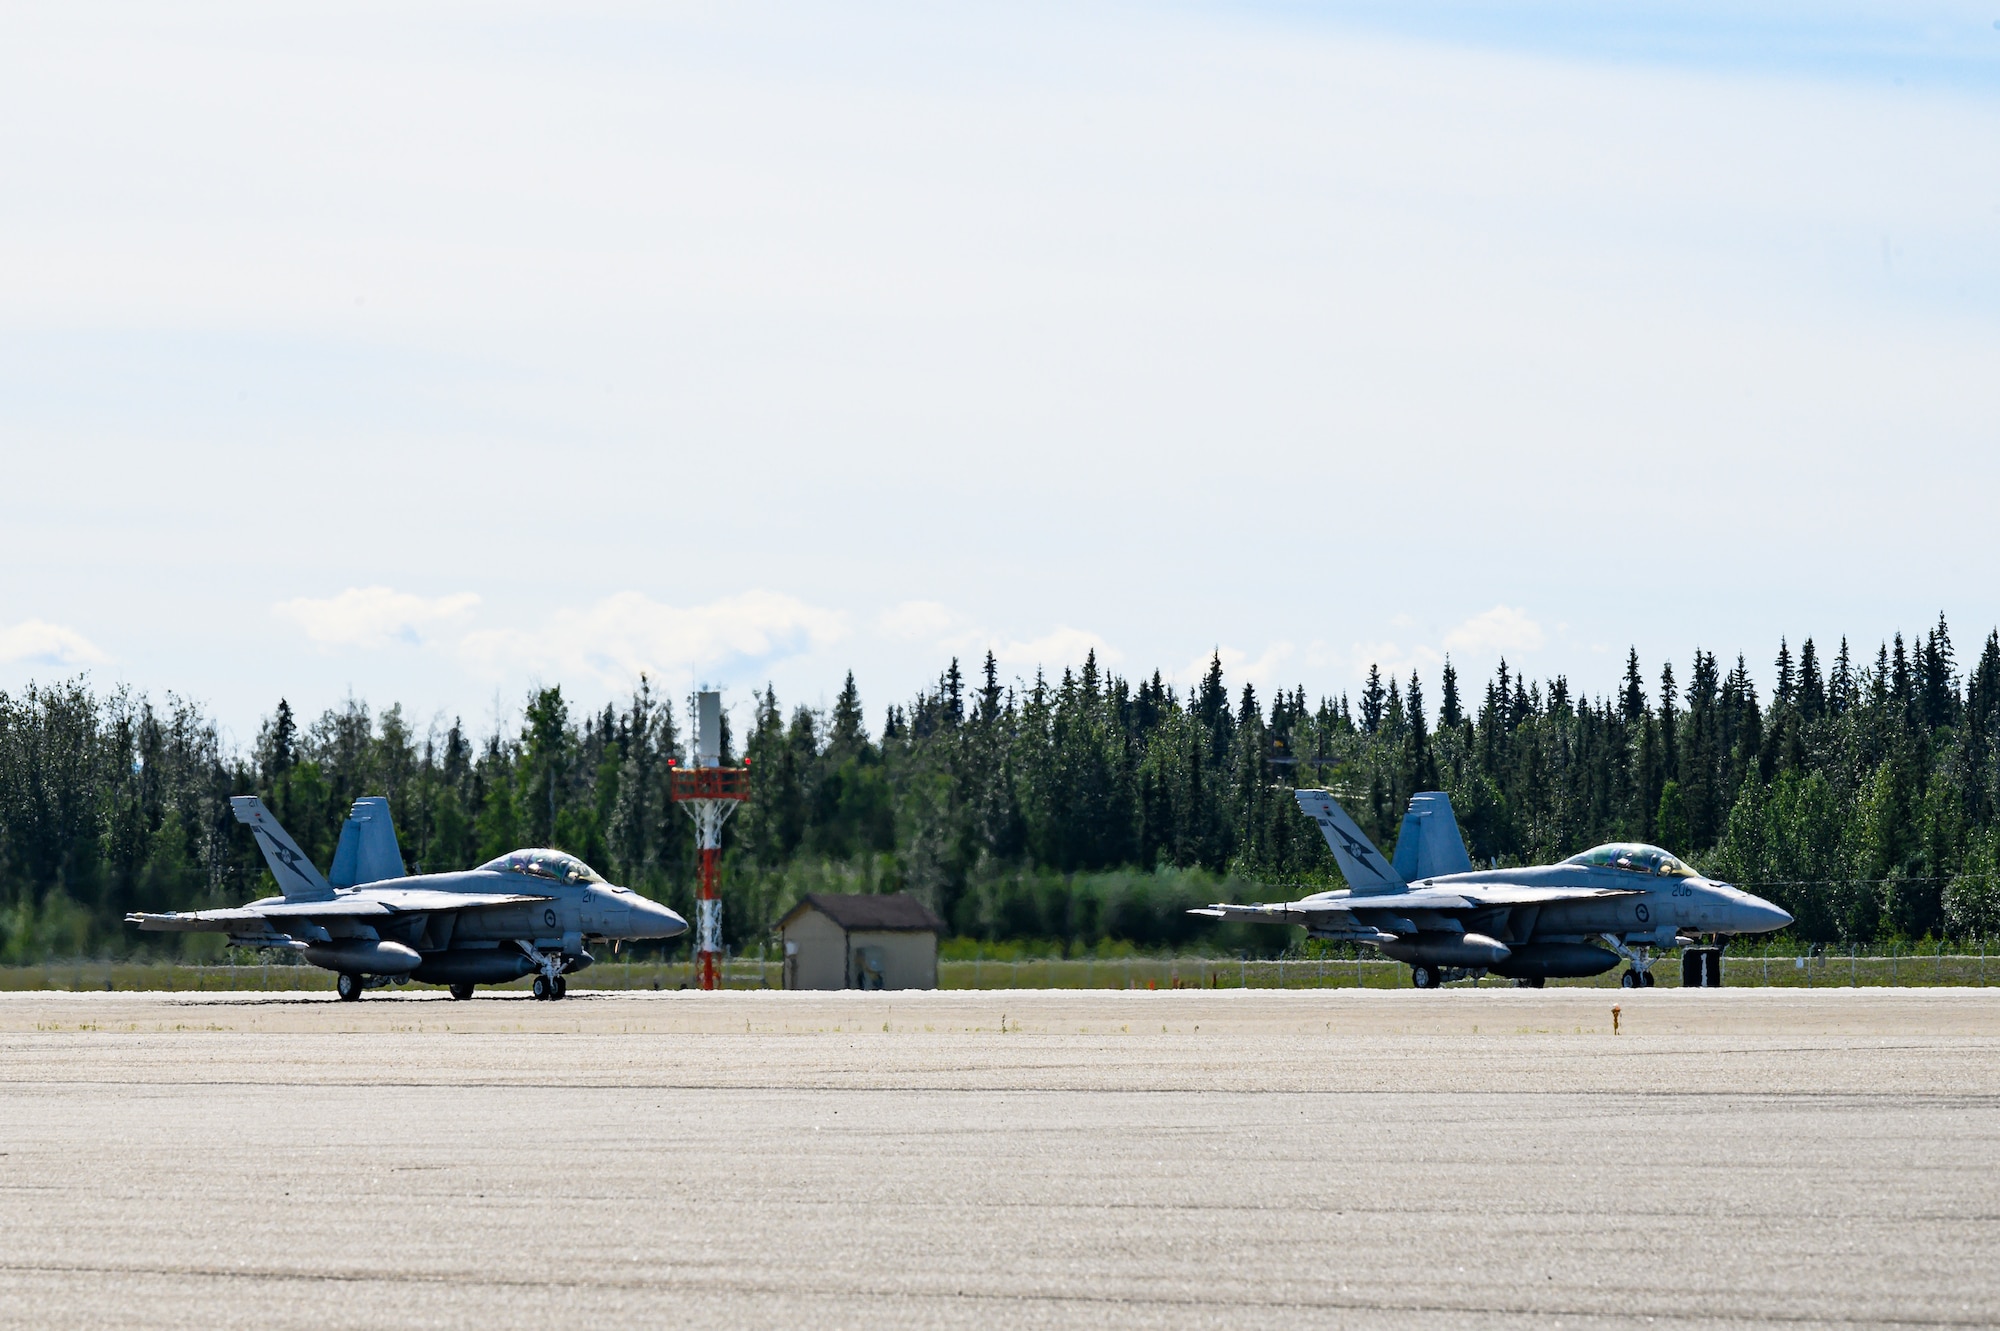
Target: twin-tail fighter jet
1431 909
526 913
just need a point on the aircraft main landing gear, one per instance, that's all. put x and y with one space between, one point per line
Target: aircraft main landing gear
462 990
1425 977
1535 983
349 987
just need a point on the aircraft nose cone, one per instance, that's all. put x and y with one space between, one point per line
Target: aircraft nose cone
671 925
1761 917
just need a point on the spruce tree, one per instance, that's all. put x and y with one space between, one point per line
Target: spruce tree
1449 714
1373 698
1812 690
954 692
1632 702
1938 697
1902 686
1842 690
1246 706
989 692
848 733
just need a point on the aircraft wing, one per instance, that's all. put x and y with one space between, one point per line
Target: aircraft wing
196 921
401 899
264 916
1477 898
394 901
1316 910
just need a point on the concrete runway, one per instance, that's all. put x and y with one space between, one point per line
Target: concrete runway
1191 1158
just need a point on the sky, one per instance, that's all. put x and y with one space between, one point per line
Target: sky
427 353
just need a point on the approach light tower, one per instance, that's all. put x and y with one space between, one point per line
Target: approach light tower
709 792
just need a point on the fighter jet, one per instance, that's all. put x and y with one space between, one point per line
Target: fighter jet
1432 909
528 912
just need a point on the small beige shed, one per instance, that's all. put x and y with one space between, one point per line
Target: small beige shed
860 942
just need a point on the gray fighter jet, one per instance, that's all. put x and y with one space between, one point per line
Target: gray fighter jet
526 913
1432 909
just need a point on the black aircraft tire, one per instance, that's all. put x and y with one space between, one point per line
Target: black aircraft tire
542 987
461 991
348 986
1535 983
562 986
1647 982
1423 977
1629 980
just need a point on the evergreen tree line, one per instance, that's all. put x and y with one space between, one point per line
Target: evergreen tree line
1862 795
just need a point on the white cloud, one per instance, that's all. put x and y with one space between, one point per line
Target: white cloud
913 620
1062 646
38 642
625 634
371 617
1395 660
1501 629
950 631
1238 668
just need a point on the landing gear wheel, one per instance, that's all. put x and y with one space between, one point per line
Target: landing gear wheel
1423 977
461 991
1646 980
543 990
562 986
1535 983
1629 980
348 987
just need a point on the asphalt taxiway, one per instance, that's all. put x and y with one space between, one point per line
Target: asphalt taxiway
1060 1158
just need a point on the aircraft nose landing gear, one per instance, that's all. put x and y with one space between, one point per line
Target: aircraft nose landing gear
551 983
1640 976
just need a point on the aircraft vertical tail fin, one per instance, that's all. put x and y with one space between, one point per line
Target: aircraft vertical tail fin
1430 846
297 878
1364 867
367 852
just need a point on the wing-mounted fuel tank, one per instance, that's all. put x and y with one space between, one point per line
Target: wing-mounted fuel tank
364 956
1448 949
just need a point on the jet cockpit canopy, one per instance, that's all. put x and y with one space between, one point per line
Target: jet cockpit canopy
553 865
1634 858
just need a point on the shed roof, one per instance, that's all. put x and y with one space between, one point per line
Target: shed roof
885 913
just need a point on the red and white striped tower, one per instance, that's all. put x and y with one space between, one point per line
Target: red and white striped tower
709 792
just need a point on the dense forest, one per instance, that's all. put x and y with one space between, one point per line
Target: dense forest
1863 794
